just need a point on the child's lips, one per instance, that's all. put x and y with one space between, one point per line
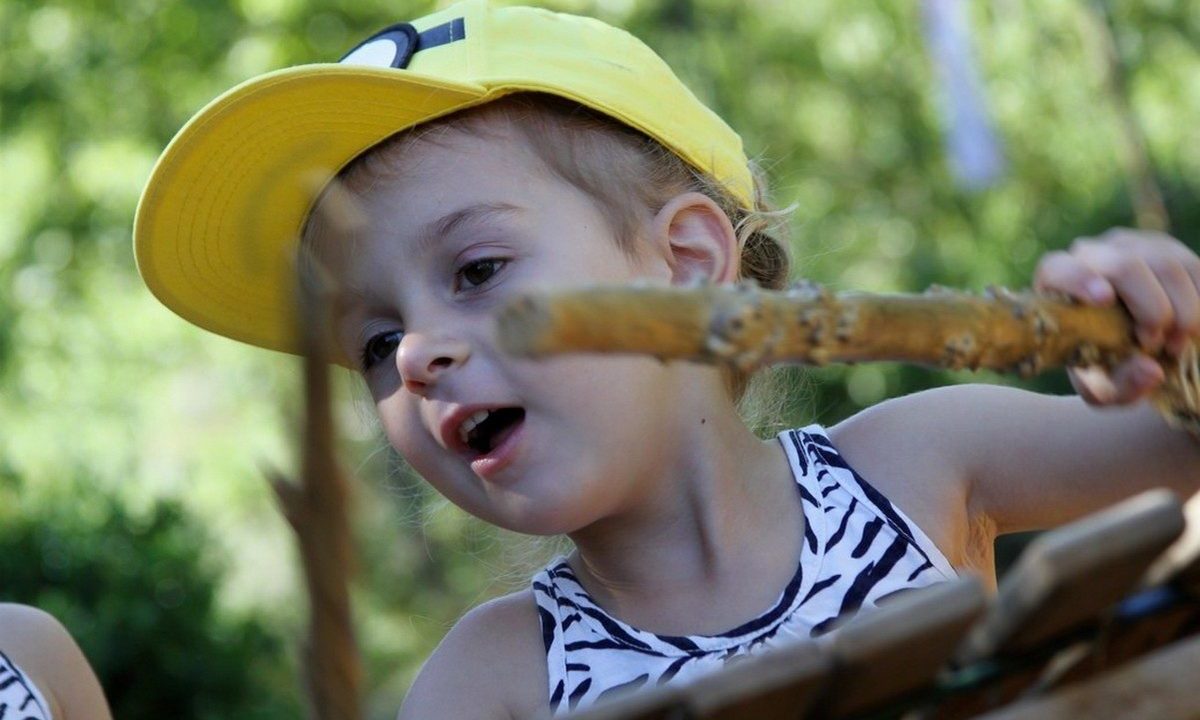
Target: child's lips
484 464
489 464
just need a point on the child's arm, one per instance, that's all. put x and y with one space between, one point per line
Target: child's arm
980 457
490 666
1102 456
970 462
47 655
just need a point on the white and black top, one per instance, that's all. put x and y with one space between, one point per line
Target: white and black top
858 548
19 697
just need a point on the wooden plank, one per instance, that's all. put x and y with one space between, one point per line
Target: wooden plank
1162 685
1180 564
1068 577
1133 633
883 659
876 659
887 655
1166 609
779 685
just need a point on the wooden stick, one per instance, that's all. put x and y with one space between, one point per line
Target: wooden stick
317 507
1145 195
747 328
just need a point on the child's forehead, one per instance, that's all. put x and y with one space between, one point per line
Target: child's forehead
462 156
450 180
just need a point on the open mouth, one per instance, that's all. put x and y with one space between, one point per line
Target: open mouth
487 429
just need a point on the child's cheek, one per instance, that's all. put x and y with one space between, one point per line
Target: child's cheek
399 430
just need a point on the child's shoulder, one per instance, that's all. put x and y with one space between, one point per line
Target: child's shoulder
938 454
935 430
944 433
915 450
490 665
967 462
35 644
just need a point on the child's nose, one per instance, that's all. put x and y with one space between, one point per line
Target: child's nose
423 358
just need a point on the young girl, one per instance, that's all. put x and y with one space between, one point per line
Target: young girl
43 673
483 152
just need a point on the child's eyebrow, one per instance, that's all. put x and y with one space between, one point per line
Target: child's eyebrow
347 298
477 213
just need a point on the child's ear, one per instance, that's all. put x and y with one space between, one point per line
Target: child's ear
696 239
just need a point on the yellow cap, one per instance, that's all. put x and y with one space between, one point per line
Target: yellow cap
217 224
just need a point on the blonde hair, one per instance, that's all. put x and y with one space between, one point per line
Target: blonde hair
626 173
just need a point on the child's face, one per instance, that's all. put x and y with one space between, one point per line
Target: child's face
466 224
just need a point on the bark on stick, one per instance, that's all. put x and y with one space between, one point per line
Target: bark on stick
748 328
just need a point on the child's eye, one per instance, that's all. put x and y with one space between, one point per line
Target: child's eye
477 272
379 347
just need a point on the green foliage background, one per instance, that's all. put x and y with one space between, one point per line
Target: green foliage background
101 388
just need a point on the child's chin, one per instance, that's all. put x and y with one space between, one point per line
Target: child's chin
541 519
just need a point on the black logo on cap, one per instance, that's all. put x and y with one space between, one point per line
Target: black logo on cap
395 45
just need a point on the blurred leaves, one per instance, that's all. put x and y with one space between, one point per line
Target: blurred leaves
100 385
137 590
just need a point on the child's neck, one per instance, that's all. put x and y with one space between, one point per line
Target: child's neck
688 557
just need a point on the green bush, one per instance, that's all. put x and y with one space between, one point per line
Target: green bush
137 591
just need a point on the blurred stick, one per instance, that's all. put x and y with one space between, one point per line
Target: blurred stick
1150 211
748 328
317 509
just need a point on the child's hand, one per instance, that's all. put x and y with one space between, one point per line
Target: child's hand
1156 277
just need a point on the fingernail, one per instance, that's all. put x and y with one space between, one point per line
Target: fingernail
1148 374
1098 290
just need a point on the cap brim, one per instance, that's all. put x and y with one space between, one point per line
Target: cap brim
217 225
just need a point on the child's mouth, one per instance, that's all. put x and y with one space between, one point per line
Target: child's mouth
488 429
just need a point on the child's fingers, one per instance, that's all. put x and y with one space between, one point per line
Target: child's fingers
1191 262
1158 280
1130 276
1185 303
1063 272
1129 382
1176 270
1142 291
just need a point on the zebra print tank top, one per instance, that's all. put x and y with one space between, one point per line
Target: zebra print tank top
19 697
857 549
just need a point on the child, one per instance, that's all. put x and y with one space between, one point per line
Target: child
43 673
481 152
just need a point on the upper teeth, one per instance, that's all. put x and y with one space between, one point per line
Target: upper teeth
471 423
